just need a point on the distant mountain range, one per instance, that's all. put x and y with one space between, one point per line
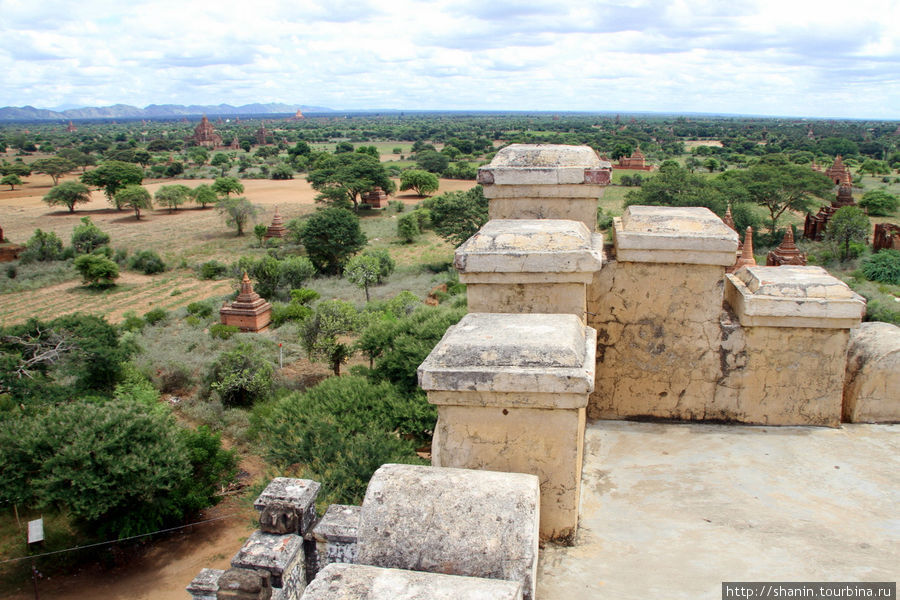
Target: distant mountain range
154 111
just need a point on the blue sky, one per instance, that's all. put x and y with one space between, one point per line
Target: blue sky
779 57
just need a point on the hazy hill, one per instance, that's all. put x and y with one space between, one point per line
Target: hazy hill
124 111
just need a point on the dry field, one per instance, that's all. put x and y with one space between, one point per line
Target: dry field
183 238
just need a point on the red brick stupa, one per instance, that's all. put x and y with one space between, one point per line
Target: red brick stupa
838 172
235 143
746 258
375 198
249 312
205 135
277 228
787 253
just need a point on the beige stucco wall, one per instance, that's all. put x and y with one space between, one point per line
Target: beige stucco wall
574 209
542 442
658 339
566 298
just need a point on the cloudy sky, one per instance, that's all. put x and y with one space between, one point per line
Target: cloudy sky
816 58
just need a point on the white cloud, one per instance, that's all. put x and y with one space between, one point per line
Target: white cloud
803 57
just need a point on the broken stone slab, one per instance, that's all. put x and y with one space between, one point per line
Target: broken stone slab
529 266
452 521
281 555
336 535
545 181
793 296
244 584
300 494
872 383
498 352
666 234
363 582
205 585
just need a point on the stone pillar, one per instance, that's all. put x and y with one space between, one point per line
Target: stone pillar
511 392
529 266
280 555
795 324
656 310
289 495
335 535
452 521
872 383
545 181
363 582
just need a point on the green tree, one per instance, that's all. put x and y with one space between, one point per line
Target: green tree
97 271
343 178
363 271
408 227
848 224
457 216
54 166
874 167
879 203
199 155
423 182
11 180
692 163
15 168
42 246
432 161
118 468
203 194
241 376
111 176
674 185
259 231
237 212
79 158
135 197
222 161
68 194
321 335
172 196
87 237
621 149
225 186
781 187
331 236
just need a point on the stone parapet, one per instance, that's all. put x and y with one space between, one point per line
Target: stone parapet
363 582
205 585
453 522
335 535
793 296
281 556
872 383
545 181
675 235
529 266
300 494
511 391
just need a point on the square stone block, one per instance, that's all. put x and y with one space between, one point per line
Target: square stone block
363 582
452 521
665 234
336 535
793 296
280 555
205 585
299 493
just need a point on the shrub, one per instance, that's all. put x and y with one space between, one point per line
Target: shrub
87 237
604 220
880 203
43 246
146 261
241 376
222 331
213 270
131 322
200 309
848 224
155 315
397 205
97 271
408 227
883 266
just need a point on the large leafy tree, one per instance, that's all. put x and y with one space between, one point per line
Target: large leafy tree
848 224
97 271
343 178
322 334
54 166
363 271
331 236
422 182
68 194
11 180
457 216
119 468
136 197
674 185
203 194
778 186
225 186
172 196
237 212
111 176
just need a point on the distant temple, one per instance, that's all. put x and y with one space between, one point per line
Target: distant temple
205 135
261 134
814 227
634 162
71 128
235 144
838 172
787 253
297 116
277 228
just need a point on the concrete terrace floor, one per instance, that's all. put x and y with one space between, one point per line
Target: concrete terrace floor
671 510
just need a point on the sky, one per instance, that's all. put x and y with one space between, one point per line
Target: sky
808 58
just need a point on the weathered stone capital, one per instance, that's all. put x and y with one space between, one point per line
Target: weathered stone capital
665 234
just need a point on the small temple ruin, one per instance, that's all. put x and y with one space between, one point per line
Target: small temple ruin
205 135
887 237
376 198
815 225
635 162
786 253
235 143
277 228
71 127
249 312
261 134
838 172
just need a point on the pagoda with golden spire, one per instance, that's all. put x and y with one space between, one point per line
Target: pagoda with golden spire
249 312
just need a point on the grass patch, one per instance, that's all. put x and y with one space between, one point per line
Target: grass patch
35 275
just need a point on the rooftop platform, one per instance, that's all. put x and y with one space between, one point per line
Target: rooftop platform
672 510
